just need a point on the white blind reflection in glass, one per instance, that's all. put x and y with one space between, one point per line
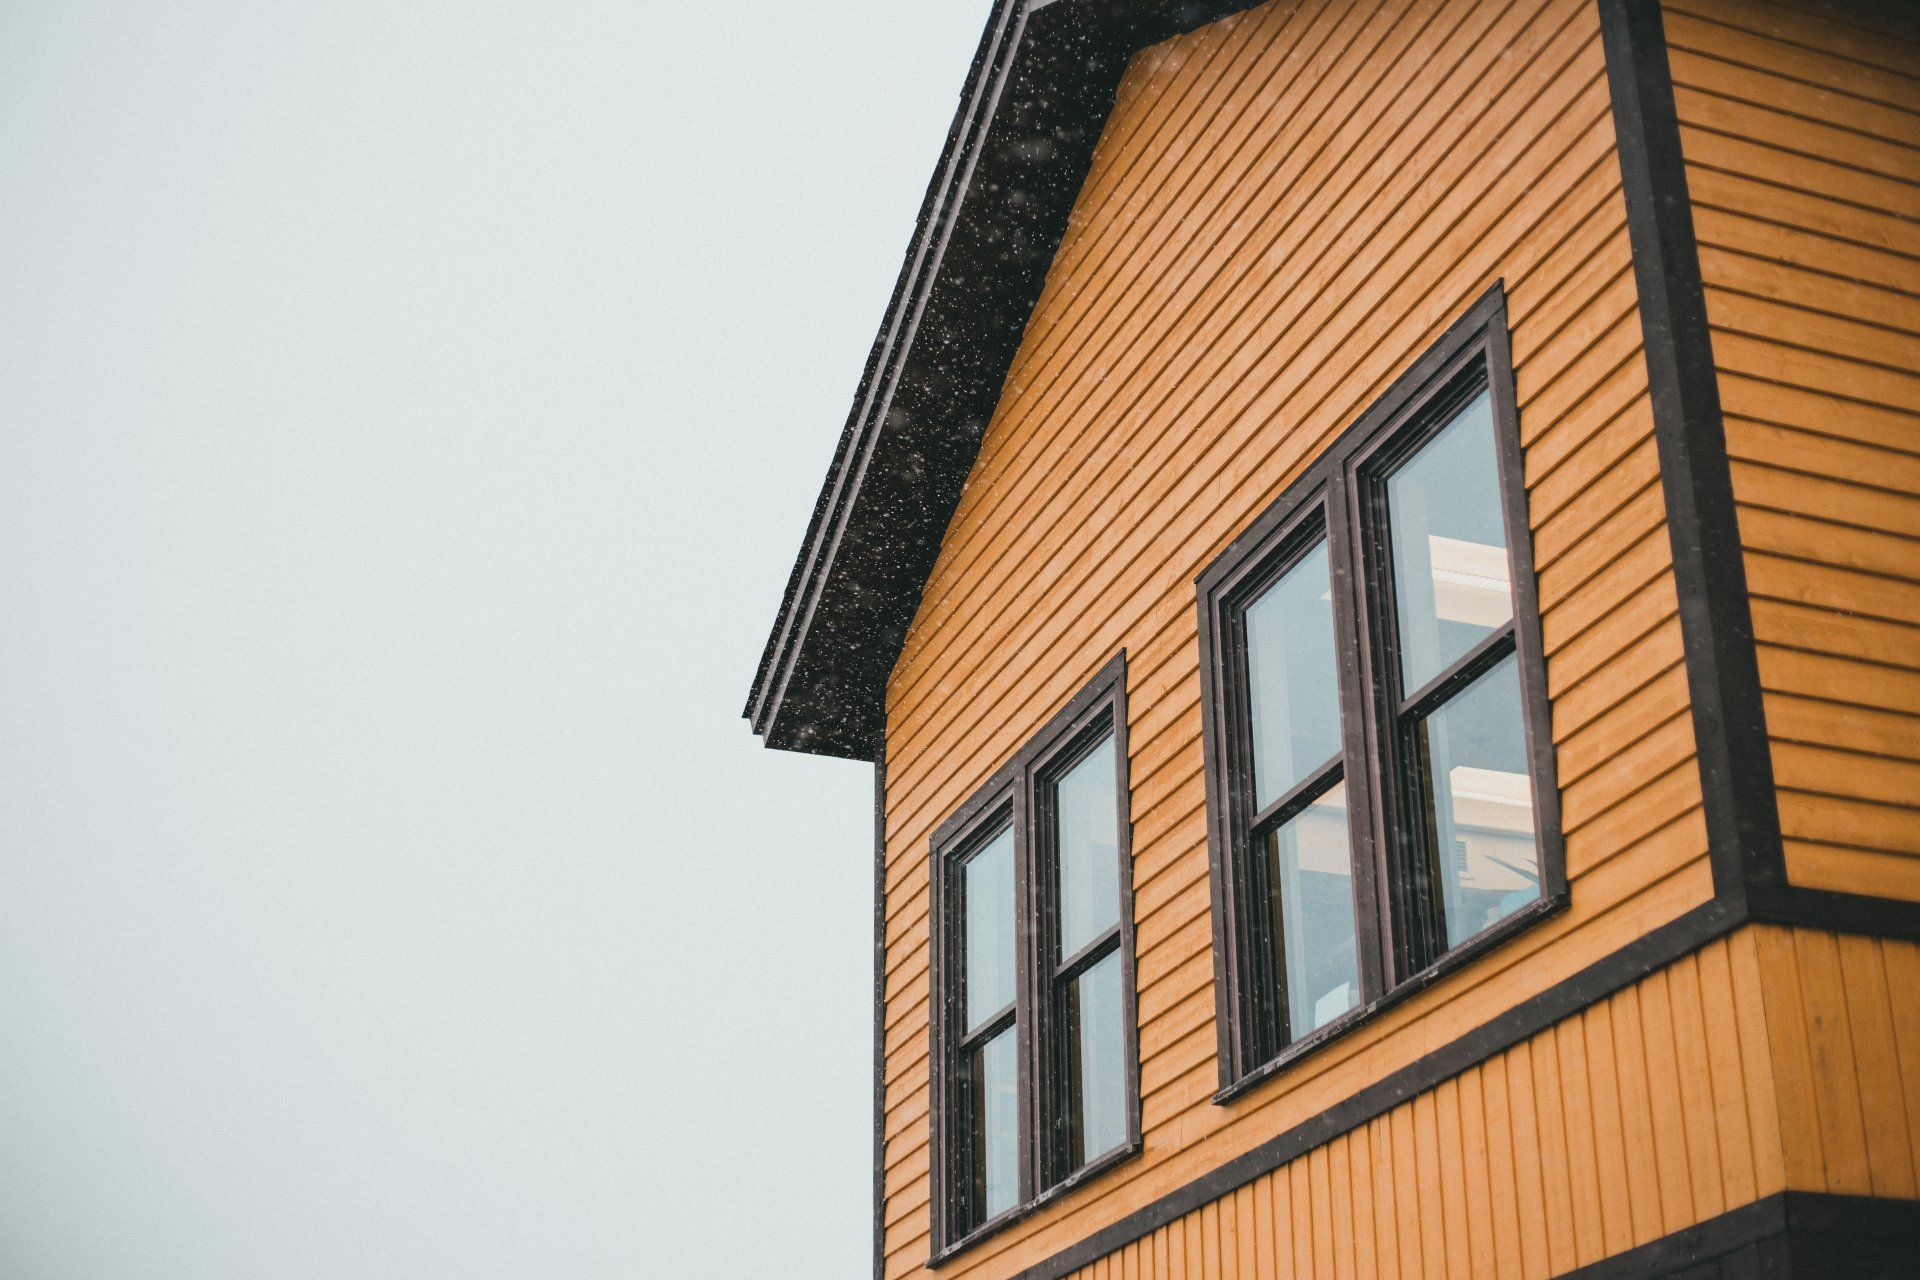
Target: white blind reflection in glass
1096 1066
1312 868
1450 578
992 1080
1087 814
1482 804
987 900
1292 678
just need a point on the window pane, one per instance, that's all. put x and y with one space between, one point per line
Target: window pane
1310 860
1088 813
1480 803
1292 683
991 1081
1450 573
987 899
1096 1061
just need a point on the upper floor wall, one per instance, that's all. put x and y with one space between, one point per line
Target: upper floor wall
1287 207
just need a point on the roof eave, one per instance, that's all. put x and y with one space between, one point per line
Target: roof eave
1036 98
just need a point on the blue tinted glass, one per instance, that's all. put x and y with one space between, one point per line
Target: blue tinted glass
1096 1049
994 1147
1481 799
1087 812
1450 577
987 900
1311 861
1292 681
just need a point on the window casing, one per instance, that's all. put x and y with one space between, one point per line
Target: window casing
1036 1068
1381 794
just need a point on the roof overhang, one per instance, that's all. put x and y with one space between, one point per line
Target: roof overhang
1036 99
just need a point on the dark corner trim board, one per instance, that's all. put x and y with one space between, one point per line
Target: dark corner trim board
1716 621
1799 1234
1709 568
880 1011
1036 98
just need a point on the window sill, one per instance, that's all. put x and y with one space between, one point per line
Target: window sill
1058 1191
1452 962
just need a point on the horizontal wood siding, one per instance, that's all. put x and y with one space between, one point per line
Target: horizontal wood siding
1650 1112
1801 132
1286 208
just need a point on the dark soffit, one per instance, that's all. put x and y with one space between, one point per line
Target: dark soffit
1037 96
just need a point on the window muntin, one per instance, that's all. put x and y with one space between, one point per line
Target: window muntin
1036 1073
1380 780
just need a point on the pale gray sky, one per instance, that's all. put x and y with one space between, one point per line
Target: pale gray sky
408 414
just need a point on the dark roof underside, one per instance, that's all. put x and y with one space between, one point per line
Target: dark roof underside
1040 90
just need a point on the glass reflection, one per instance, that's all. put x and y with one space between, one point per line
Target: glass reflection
1480 803
1311 866
1087 816
1292 679
1450 576
992 1085
987 900
1096 1084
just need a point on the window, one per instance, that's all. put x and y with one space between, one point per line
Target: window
1380 779
1036 1081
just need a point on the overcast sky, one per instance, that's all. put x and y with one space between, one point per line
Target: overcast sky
409 412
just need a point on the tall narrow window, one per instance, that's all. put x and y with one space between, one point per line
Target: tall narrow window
1301 871
1380 782
1036 1075
1460 722
988 1076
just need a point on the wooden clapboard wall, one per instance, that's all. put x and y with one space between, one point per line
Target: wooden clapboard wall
1286 208
1801 132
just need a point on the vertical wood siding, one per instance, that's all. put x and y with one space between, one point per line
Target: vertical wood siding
1802 140
1843 1017
1771 1060
1650 1112
1286 208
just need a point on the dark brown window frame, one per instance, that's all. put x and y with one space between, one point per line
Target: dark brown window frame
1015 795
1340 498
